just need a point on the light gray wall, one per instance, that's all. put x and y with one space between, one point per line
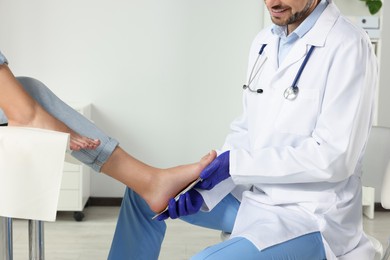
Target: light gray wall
164 77
384 93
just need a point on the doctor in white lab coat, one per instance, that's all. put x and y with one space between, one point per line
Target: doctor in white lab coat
294 165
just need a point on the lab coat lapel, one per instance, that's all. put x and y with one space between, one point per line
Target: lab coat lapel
298 52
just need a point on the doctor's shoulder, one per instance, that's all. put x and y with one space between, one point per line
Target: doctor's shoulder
348 32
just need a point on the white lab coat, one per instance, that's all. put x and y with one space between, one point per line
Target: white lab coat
296 165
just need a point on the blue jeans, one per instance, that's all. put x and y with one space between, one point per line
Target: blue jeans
74 120
138 237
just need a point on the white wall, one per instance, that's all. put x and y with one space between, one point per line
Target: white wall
164 77
384 97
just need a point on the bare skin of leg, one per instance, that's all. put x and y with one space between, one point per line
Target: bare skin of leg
22 110
156 186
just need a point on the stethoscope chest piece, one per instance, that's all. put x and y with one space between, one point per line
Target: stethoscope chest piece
291 93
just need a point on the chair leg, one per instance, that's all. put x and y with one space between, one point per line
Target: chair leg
6 239
36 240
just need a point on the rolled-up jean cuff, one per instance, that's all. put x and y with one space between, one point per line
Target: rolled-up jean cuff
96 161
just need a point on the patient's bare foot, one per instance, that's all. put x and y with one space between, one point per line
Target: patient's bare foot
167 183
42 119
78 142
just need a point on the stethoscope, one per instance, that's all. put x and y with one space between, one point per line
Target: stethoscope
291 92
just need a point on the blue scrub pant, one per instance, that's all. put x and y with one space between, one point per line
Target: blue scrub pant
138 237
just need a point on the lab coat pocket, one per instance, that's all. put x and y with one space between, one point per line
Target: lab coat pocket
299 116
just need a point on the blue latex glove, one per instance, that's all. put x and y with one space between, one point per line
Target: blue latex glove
215 172
187 204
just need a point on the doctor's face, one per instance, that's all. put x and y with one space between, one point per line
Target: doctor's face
290 12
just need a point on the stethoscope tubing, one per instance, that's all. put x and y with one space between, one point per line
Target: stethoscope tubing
298 76
291 92
251 76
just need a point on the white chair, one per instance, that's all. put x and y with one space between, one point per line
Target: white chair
385 201
376 173
31 166
375 162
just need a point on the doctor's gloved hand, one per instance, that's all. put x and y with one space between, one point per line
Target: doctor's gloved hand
187 204
215 172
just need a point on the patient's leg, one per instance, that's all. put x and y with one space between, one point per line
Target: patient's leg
74 120
22 110
37 117
155 186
